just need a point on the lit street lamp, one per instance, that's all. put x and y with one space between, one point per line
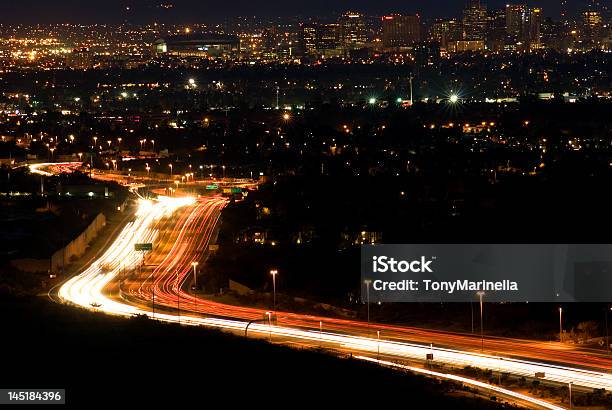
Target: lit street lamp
170 165
274 272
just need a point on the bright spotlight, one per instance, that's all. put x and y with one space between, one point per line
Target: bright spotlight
372 101
454 98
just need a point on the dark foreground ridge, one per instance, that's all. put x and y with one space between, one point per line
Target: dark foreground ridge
114 362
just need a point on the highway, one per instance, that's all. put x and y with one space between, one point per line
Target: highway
181 229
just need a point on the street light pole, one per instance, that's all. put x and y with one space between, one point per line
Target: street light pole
378 345
274 272
607 337
195 276
560 324
472 310
481 294
367 282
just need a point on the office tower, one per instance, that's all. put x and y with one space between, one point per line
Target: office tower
516 17
475 21
400 31
353 33
309 38
444 31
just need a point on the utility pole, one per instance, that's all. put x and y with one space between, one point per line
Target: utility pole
411 77
472 309
481 294
607 337
277 96
367 283
560 324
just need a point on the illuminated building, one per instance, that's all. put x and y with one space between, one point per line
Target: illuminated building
328 39
80 59
309 38
532 30
353 32
516 17
443 31
400 31
475 21
523 26
462 46
593 24
270 41
496 38
206 45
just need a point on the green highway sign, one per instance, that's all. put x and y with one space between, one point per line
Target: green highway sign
143 247
236 190
211 187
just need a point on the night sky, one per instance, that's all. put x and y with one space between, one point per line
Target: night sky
184 11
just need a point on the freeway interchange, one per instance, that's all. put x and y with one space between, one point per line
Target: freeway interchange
182 227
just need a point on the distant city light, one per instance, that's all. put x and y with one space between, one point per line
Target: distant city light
454 98
372 101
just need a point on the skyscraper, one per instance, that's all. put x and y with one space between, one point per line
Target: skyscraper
475 21
516 17
532 29
523 26
400 31
592 24
496 37
353 33
309 38
328 39
444 31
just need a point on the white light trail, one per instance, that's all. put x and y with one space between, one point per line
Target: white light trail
86 288
465 380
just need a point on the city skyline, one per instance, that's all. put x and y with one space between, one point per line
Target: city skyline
189 11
